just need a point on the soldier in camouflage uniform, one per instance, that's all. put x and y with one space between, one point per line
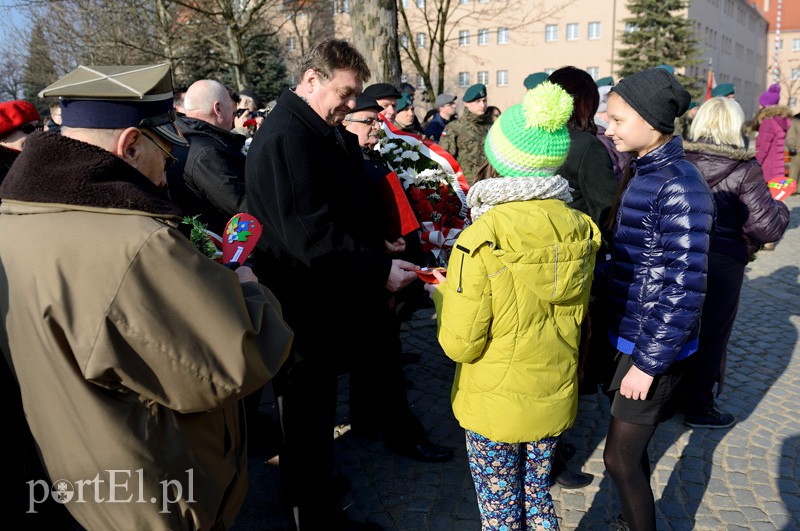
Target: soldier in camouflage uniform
463 138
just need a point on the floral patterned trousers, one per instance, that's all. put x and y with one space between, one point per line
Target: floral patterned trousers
512 482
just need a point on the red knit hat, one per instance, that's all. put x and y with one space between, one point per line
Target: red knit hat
15 114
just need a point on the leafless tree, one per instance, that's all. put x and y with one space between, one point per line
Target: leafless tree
437 21
374 27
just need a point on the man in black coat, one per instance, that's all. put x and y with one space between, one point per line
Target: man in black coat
209 178
323 253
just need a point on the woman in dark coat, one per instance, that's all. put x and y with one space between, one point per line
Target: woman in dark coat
590 173
747 217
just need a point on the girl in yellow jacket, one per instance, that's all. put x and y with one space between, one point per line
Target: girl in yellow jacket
510 311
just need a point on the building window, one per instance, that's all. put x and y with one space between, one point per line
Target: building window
630 27
572 32
502 35
795 74
483 37
795 45
463 79
792 102
420 81
405 3
403 78
483 77
421 4
551 33
593 71
420 40
464 1
344 6
502 78
463 38
594 30
404 41
291 44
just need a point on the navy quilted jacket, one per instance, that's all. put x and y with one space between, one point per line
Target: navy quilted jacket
659 253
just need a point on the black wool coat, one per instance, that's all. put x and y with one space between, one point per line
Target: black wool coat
209 179
322 247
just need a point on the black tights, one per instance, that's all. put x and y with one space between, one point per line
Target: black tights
627 461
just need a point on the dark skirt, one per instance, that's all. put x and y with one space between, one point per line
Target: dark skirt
661 402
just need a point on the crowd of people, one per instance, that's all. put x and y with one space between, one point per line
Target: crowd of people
608 232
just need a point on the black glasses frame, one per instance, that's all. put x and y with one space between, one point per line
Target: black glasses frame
170 160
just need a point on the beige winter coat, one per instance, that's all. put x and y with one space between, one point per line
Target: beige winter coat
132 351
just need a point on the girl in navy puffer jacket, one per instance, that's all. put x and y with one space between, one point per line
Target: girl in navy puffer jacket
663 219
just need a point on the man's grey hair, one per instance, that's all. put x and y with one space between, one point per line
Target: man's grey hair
334 54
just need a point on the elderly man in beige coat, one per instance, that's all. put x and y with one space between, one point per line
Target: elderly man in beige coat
132 350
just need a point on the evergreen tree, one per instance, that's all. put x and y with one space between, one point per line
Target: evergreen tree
266 68
39 69
654 35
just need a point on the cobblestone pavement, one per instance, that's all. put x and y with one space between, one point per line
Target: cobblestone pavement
744 477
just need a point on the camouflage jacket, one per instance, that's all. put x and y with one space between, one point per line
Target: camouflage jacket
463 138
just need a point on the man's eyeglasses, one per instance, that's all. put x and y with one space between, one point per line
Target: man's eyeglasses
368 121
170 160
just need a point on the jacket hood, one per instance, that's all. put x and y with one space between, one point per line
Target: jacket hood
717 161
60 170
773 111
556 272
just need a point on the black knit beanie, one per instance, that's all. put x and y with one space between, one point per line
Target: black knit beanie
656 95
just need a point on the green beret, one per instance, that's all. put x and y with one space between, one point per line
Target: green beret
668 68
534 79
692 105
723 89
604 81
475 92
404 102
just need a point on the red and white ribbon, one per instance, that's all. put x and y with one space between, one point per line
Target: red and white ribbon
435 238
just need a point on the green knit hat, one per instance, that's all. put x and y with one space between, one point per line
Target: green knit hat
531 139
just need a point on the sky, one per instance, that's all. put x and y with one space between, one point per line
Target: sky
10 17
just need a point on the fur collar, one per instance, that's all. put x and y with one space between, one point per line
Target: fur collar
773 111
724 150
57 169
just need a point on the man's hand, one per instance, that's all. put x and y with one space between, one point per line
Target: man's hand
401 275
238 121
397 246
636 384
246 275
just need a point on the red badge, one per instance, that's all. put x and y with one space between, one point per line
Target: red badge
241 235
782 187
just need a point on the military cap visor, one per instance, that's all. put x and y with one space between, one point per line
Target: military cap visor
113 97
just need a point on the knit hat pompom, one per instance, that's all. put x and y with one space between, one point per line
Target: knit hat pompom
531 139
547 107
771 97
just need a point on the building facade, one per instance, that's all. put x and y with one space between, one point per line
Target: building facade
783 47
500 42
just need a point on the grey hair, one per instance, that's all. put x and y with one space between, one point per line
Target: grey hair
719 120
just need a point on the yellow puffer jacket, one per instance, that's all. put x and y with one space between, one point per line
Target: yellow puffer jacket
510 313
